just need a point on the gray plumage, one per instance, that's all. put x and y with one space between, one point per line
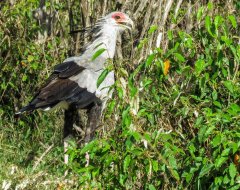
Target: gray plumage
74 82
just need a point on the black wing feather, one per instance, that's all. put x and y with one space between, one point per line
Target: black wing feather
59 88
68 69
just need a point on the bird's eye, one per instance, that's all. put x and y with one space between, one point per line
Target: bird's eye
117 17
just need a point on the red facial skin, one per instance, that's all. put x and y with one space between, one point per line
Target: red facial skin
119 17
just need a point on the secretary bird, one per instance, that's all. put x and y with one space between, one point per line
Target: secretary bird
73 83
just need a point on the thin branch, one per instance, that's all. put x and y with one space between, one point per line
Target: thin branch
42 156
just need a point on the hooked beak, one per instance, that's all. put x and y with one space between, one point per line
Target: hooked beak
128 23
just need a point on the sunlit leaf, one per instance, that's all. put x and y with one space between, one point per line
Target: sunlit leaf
229 85
217 21
210 5
200 13
217 140
175 175
126 163
151 187
88 147
199 66
205 169
208 25
149 60
102 77
232 170
219 161
98 53
155 165
30 58
152 29
233 20
179 57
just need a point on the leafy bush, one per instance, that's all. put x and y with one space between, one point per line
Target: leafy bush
176 130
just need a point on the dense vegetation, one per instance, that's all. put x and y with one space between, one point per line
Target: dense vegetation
174 120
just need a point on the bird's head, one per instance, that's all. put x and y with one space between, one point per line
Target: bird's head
119 20
105 32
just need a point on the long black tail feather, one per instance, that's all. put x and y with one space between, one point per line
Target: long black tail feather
28 108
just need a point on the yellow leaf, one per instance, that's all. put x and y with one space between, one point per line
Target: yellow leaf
30 58
166 67
23 64
236 159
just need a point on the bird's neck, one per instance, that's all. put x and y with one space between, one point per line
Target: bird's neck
104 41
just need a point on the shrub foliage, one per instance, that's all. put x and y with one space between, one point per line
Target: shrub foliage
173 121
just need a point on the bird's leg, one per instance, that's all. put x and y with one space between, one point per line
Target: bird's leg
69 120
94 114
79 126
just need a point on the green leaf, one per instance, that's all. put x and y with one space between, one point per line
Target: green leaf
219 161
208 25
175 175
201 133
137 136
146 82
218 104
226 152
152 29
147 137
214 95
122 179
34 65
188 176
149 60
179 57
95 172
88 147
120 92
217 140
217 21
155 165
227 40
218 180
200 13
229 85
172 162
126 163
102 77
232 170
199 66
209 131
142 43
111 106
192 148
234 146
226 180
205 170
133 91
151 187
123 72
25 77
98 53
233 21
126 117
234 109
30 58
170 34
210 5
